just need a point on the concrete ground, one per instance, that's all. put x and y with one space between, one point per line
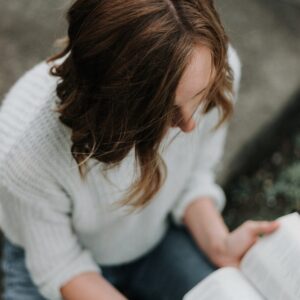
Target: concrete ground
265 33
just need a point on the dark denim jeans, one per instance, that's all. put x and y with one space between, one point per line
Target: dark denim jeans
165 273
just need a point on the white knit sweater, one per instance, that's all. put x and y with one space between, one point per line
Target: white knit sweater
67 226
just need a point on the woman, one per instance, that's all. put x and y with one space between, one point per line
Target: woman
102 195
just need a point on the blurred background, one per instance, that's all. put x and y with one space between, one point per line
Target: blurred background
261 169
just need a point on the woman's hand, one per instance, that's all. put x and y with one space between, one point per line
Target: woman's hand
211 234
236 243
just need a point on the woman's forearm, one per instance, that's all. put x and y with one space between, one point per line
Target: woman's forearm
206 225
90 286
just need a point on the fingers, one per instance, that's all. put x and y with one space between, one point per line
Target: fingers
261 227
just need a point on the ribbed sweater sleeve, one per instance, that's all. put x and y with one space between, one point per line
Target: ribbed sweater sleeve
202 182
36 210
53 254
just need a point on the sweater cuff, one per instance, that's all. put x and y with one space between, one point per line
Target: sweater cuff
212 190
83 263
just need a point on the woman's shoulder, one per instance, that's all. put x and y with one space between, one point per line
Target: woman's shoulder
38 164
33 82
30 132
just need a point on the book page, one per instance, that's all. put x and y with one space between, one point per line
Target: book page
224 284
273 263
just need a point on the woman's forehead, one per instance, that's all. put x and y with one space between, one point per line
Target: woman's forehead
197 75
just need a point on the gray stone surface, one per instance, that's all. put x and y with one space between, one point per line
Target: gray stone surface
28 29
265 33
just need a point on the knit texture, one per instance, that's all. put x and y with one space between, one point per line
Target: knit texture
68 226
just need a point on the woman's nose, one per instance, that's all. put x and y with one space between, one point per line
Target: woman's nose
187 126
186 123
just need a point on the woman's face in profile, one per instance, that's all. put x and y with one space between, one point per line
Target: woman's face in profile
192 87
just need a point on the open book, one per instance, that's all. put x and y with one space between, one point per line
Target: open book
269 270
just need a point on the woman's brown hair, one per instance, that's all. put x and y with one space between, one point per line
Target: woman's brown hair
123 62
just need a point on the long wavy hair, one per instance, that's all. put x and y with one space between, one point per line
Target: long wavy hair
123 60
